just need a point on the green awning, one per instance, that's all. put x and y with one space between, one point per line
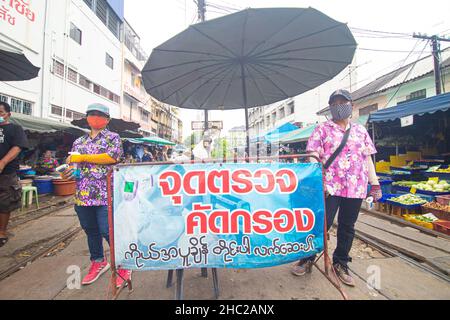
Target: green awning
299 135
41 125
152 140
303 134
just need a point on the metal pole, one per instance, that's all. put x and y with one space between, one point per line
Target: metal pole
437 65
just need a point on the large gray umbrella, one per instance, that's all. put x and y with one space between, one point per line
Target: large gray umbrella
14 66
251 58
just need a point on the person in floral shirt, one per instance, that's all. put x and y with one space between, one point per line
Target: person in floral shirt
46 164
346 179
93 155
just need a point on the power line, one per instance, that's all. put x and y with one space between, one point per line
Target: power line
407 75
381 32
388 51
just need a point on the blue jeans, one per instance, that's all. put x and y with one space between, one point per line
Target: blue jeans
94 221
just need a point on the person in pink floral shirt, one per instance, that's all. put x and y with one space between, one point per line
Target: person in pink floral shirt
346 179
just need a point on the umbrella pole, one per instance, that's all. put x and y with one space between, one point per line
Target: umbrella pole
247 148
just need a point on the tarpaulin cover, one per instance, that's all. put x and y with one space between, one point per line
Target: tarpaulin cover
160 214
418 107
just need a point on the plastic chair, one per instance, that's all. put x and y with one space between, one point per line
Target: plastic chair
27 196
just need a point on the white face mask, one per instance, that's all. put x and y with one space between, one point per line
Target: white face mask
341 111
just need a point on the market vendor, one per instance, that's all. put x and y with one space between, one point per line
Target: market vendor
12 141
345 148
98 151
46 164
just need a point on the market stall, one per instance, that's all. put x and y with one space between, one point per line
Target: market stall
413 143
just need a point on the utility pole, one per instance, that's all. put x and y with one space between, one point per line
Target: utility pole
201 5
436 46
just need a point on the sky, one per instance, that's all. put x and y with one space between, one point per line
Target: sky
377 54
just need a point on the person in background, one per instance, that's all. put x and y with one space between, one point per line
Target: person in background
99 151
147 157
129 158
47 164
346 178
12 141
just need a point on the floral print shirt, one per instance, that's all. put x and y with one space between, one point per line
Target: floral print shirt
47 165
91 186
348 175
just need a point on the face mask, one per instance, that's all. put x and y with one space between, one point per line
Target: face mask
341 111
97 122
2 120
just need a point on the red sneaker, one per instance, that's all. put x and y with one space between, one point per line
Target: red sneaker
95 271
123 276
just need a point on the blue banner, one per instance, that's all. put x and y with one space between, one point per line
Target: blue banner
217 215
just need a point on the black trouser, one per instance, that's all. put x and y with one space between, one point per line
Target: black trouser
348 214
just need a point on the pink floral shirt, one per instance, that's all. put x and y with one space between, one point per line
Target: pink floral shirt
348 175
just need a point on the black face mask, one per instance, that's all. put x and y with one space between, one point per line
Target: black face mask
341 111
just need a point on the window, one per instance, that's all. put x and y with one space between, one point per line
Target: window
274 117
89 3
3 98
75 33
21 106
282 113
26 108
16 105
96 88
101 9
104 92
144 115
58 68
109 61
72 75
368 110
69 114
77 115
416 95
113 23
85 82
56 110
291 107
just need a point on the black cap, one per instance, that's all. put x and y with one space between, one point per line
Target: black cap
340 93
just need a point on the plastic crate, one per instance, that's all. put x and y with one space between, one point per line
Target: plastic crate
386 186
441 176
444 200
419 192
440 214
442 226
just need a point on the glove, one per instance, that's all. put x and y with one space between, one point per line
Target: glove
375 193
101 159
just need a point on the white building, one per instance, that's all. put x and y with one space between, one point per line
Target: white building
300 110
77 45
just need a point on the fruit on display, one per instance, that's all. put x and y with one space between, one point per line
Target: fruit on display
408 199
439 169
437 206
433 186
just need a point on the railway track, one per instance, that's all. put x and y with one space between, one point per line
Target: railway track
48 247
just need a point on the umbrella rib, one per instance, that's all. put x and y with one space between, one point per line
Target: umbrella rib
258 88
303 59
187 73
229 86
200 86
270 80
198 78
277 32
296 68
215 87
196 52
214 40
304 49
284 75
180 64
300 38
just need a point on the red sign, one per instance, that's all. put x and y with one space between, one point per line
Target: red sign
10 8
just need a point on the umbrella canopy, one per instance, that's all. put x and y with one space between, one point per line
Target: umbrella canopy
125 129
14 66
251 58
